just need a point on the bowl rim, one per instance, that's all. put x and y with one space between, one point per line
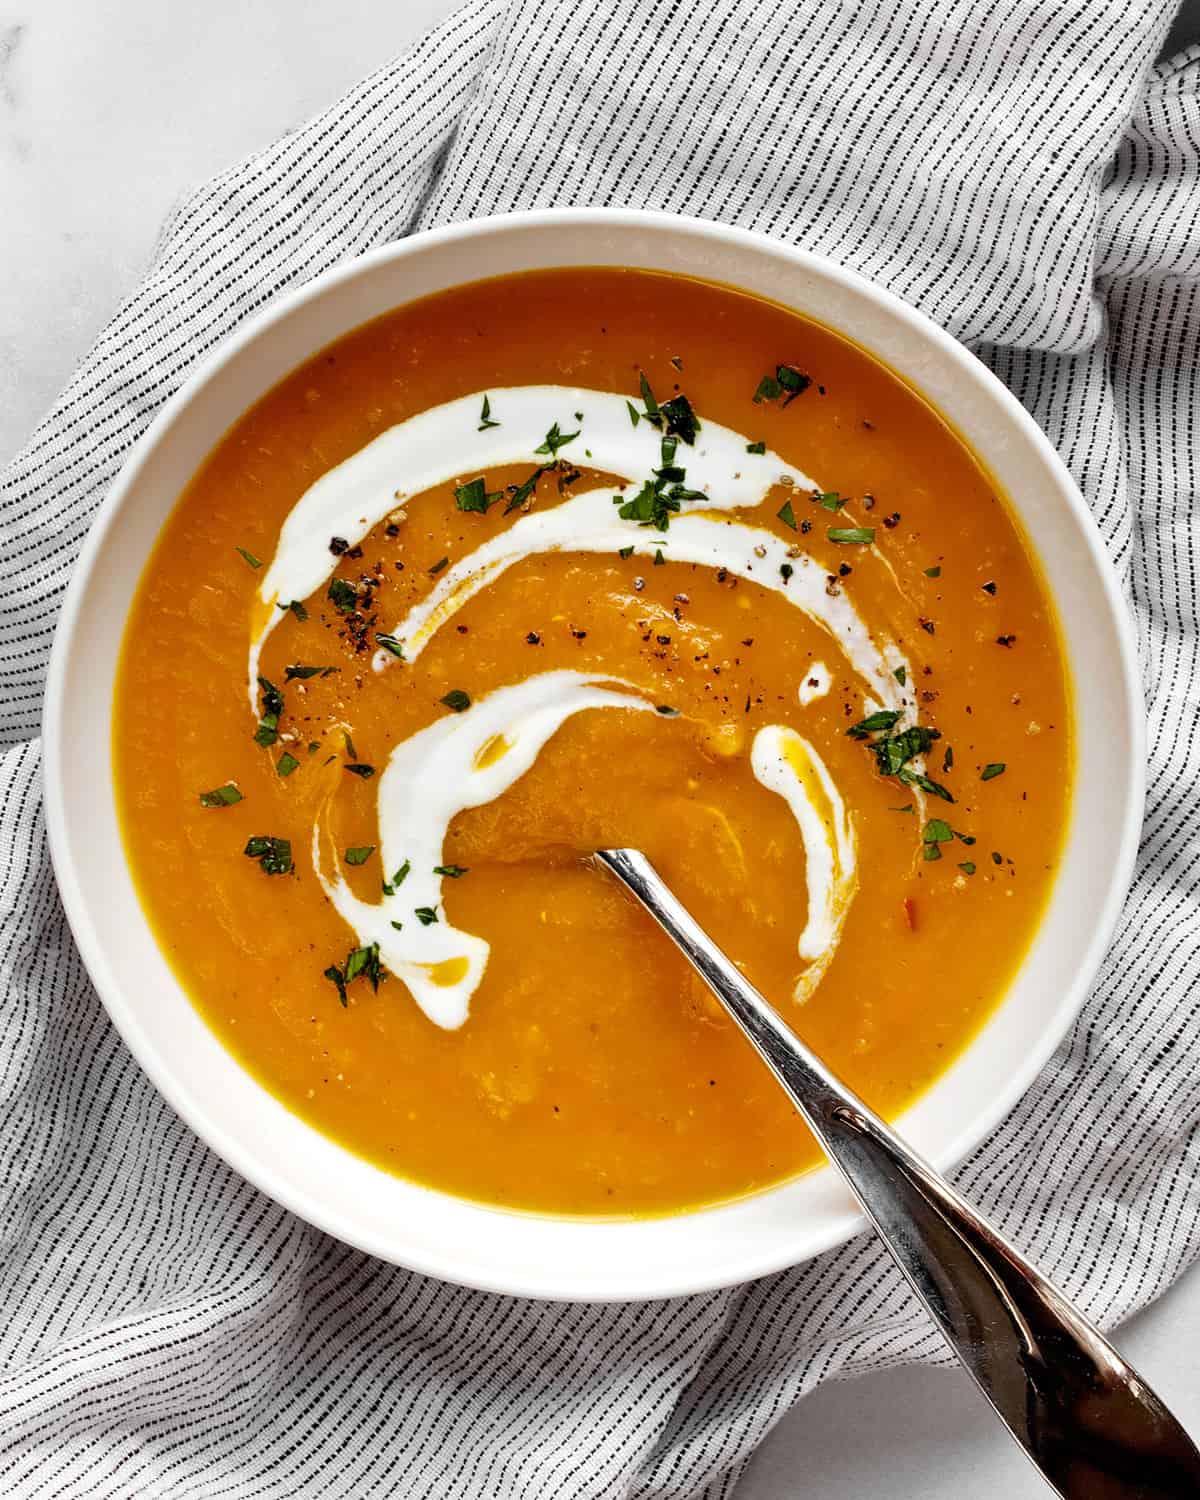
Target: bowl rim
231 1147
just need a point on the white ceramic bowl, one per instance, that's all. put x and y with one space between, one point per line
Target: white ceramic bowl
428 1230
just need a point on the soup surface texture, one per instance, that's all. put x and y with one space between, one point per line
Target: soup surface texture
566 561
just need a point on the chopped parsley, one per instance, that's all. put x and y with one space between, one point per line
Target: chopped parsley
457 700
426 915
286 764
485 416
995 768
390 886
255 562
356 768
336 977
635 416
296 608
681 419
349 744
651 413
893 752
360 854
967 866
451 872
759 447
473 496
389 643
901 675
787 515
659 559
828 499
787 381
343 596
936 833
272 707
439 565
933 572
555 440
997 859
274 855
624 551
365 961
304 673
221 796
523 491
862 535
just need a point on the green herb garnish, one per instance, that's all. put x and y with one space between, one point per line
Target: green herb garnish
343 596
768 389
523 491
286 764
335 976
873 723
221 796
555 440
452 872
624 551
995 768
933 572
787 515
296 608
390 886
389 643
681 419
967 866
439 565
365 961
473 496
759 447
360 854
358 769
255 562
851 534
634 415
893 752
426 915
828 499
457 700
485 416
272 707
651 412
901 675
304 673
274 855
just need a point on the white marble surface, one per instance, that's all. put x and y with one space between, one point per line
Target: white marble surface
109 111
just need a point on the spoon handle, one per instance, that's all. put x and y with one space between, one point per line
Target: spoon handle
1084 1417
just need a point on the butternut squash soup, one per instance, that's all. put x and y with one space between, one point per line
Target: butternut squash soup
565 561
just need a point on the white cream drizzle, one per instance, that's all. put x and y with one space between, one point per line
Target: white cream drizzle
468 759
445 443
786 763
429 778
589 523
465 760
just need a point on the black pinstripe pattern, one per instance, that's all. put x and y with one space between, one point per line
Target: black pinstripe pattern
1019 172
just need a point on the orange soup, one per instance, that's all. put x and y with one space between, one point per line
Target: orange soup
576 560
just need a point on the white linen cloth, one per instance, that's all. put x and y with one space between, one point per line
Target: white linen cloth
1025 175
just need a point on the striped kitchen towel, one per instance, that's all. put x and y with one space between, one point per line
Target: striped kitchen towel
1023 173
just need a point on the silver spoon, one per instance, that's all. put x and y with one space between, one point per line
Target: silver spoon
1089 1423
